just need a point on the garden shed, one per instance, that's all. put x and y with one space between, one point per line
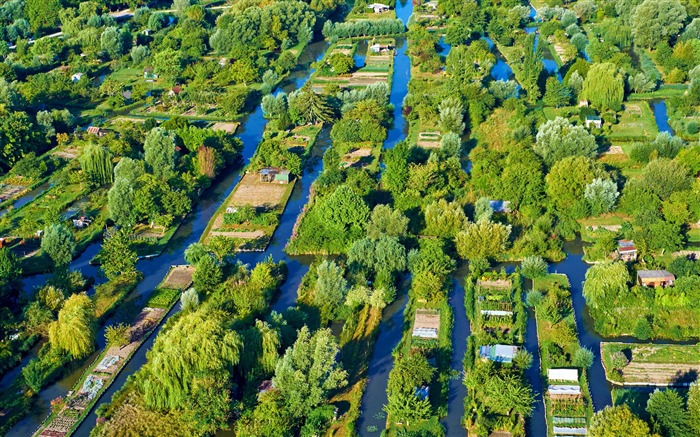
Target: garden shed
594 120
77 76
94 130
378 7
426 323
274 174
148 73
500 353
626 250
562 375
655 278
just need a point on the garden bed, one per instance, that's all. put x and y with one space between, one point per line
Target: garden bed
662 365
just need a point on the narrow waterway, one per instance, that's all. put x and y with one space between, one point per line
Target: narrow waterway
537 423
661 115
27 197
500 70
575 269
550 65
154 269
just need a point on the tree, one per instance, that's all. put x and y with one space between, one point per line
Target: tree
482 209
409 372
306 106
604 86
451 144
532 67
330 289
118 335
189 300
694 407
386 221
198 347
168 63
566 184
451 113
583 358
59 244
657 20
556 93
129 169
308 371
664 177
534 267
139 54
444 219
508 394
668 414
159 153
96 162
340 63
117 257
558 139
617 421
605 281
111 42
601 195
74 331
10 273
42 14
482 240
207 275
120 202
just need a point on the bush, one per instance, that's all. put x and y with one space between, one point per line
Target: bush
243 214
693 127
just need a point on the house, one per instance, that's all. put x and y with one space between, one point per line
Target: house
426 323
149 74
570 375
500 206
655 278
273 174
147 32
626 250
127 95
593 120
76 77
380 48
100 132
378 7
175 91
500 353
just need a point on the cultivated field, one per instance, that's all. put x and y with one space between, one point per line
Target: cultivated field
252 192
653 364
180 277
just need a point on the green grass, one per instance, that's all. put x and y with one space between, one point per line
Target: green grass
163 298
634 125
655 353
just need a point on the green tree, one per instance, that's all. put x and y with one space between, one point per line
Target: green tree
117 257
207 275
617 421
118 335
168 63
120 203
330 289
694 407
657 20
340 63
583 358
409 372
159 153
59 244
482 240
112 42
129 169
189 300
604 282
558 139
604 86
18 135
566 184
668 415
386 221
532 67
444 219
509 394
10 273
534 267
42 14
556 93
306 106
482 209
96 162
601 195
308 371
74 331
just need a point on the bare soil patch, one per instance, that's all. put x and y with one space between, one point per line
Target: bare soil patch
357 157
614 150
251 191
229 128
9 191
245 235
180 277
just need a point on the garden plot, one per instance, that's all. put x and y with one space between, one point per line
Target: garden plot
651 364
636 123
252 192
361 157
179 277
429 140
229 128
10 191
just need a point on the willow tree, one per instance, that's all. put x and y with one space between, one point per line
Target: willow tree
96 162
159 152
604 86
198 347
604 282
261 350
74 331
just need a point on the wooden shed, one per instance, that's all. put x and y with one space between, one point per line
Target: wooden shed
274 174
655 278
626 250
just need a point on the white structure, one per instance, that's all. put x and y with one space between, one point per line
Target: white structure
77 76
496 313
559 430
562 375
378 7
564 390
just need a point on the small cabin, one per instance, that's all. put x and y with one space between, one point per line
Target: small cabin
378 8
223 62
94 130
76 77
380 48
595 121
626 250
499 353
175 91
426 324
655 278
149 74
583 103
272 174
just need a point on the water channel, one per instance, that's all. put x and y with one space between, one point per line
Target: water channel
26 198
658 106
154 269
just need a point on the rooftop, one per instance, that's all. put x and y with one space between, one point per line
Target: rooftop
652 274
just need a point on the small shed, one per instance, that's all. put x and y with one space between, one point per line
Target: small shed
273 174
500 353
149 74
378 7
127 95
655 278
265 387
583 103
593 120
562 375
626 250
426 323
175 91
77 76
223 62
380 48
94 130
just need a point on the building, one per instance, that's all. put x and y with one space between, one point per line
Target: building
426 323
655 278
127 95
273 174
378 7
175 91
570 375
149 74
583 103
626 251
432 4
77 76
223 62
94 130
593 120
500 353
380 48
564 390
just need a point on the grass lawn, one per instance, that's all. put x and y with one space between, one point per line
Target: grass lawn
635 123
606 222
653 364
162 298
